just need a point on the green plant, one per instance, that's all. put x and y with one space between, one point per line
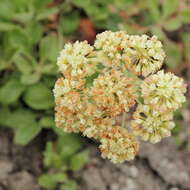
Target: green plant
27 29
32 32
60 157
27 73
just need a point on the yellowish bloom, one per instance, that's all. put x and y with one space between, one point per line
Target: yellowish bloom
151 125
118 145
100 83
164 91
110 46
74 59
97 127
113 92
143 54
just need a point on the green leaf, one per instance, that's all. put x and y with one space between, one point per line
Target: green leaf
20 5
176 130
67 139
68 144
23 64
5 115
24 17
47 181
169 7
140 100
11 91
39 97
100 66
17 120
6 26
41 3
185 14
90 79
19 39
79 160
45 13
58 131
60 177
49 47
47 121
178 115
50 69
70 185
28 59
173 23
178 141
174 55
187 52
69 23
34 31
4 64
50 180
7 9
188 142
82 3
158 32
30 78
49 81
23 122
153 6
186 40
52 158
25 133
97 13
48 155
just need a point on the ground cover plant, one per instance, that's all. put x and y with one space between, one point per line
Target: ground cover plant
33 32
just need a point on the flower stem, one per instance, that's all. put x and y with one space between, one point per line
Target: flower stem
124 117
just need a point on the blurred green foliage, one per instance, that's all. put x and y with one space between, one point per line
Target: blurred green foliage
32 32
60 157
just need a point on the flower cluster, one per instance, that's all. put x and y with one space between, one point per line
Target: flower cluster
110 46
113 92
144 55
117 76
74 60
118 144
163 91
150 124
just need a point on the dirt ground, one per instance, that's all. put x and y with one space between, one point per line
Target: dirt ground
157 167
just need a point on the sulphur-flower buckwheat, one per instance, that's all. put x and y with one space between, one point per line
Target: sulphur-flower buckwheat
102 83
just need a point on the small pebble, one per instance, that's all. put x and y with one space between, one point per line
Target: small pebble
131 185
133 171
114 186
174 188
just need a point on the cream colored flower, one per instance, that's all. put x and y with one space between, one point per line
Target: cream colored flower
70 105
163 91
97 127
100 83
118 145
151 125
143 55
82 118
113 92
74 59
110 46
